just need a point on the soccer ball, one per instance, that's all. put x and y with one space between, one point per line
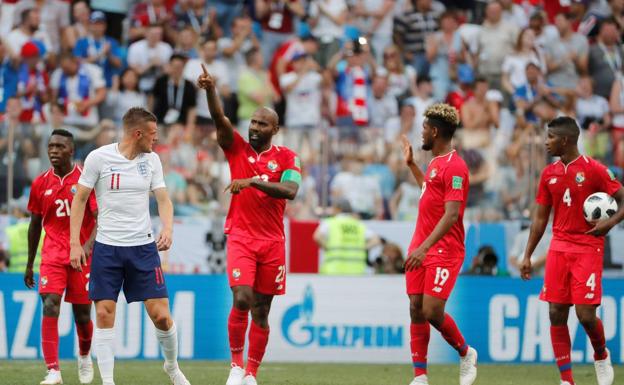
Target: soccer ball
599 206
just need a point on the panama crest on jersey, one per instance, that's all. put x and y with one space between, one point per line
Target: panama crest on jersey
73 189
236 273
272 165
580 177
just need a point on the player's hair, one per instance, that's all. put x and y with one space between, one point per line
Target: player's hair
565 126
137 116
443 117
64 133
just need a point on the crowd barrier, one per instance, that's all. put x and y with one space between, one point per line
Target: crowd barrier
327 319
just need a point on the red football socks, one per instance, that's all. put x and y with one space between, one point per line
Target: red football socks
562 345
419 343
50 341
85 332
452 335
597 338
237 328
258 339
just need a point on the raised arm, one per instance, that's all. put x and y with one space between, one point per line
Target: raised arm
225 131
408 155
538 226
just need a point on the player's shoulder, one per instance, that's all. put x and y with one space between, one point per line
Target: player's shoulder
103 151
454 161
42 178
287 155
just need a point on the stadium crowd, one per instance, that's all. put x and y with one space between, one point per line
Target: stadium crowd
347 77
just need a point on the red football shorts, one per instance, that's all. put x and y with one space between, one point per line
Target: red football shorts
56 279
573 278
260 264
436 277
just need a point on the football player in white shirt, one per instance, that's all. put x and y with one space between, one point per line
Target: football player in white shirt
125 251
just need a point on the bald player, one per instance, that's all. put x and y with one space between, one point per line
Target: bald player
263 177
574 262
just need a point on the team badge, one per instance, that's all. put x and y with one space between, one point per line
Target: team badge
236 273
552 181
142 169
433 173
611 174
251 159
580 177
272 165
73 189
44 280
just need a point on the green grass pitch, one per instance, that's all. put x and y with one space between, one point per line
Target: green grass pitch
215 373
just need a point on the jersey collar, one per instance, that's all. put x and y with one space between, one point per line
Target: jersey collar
68 174
448 154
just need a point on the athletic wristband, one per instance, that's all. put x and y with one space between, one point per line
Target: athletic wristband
291 175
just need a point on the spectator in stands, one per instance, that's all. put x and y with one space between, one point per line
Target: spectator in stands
536 100
383 106
345 241
544 32
401 77
126 94
479 171
592 113
80 88
148 57
148 13
617 13
233 47
32 84
361 191
117 16
305 206
98 49
375 165
9 69
302 90
410 32
277 18
477 118
465 87
538 258
28 31
515 64
444 52
616 103
495 41
197 17
254 89
404 202
54 21
23 149
375 21
514 13
605 58
80 27
422 100
566 55
174 98
327 19
187 43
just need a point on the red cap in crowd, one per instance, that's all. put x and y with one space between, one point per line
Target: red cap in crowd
29 49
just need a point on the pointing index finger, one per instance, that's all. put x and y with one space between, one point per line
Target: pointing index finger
204 69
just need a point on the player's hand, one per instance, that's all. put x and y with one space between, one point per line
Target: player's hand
28 278
77 257
164 240
206 80
238 185
600 228
415 259
526 269
408 151
88 246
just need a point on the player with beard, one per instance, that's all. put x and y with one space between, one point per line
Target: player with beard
436 253
263 177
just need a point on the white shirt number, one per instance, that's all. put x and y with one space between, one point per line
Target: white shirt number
567 199
442 275
63 207
591 282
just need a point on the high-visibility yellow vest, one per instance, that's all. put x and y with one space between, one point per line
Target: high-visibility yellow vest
345 251
17 236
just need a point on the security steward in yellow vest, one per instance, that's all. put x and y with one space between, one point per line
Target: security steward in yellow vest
345 242
17 239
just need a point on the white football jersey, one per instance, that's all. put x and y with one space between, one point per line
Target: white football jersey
122 189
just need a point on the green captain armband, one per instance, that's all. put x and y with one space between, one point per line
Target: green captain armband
291 175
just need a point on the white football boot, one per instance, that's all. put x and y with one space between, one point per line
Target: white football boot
85 369
236 376
604 370
176 375
250 380
52 378
420 380
468 367
565 383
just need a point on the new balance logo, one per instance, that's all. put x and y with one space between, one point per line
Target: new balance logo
114 185
48 192
589 296
437 289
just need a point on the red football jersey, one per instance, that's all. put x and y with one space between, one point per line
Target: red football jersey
51 197
253 213
446 179
565 188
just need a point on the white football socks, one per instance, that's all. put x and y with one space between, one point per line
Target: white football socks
103 340
169 343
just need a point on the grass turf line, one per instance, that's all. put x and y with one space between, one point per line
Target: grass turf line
215 373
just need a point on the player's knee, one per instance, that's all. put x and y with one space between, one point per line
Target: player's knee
104 315
433 315
557 315
242 301
51 309
416 314
82 316
161 321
